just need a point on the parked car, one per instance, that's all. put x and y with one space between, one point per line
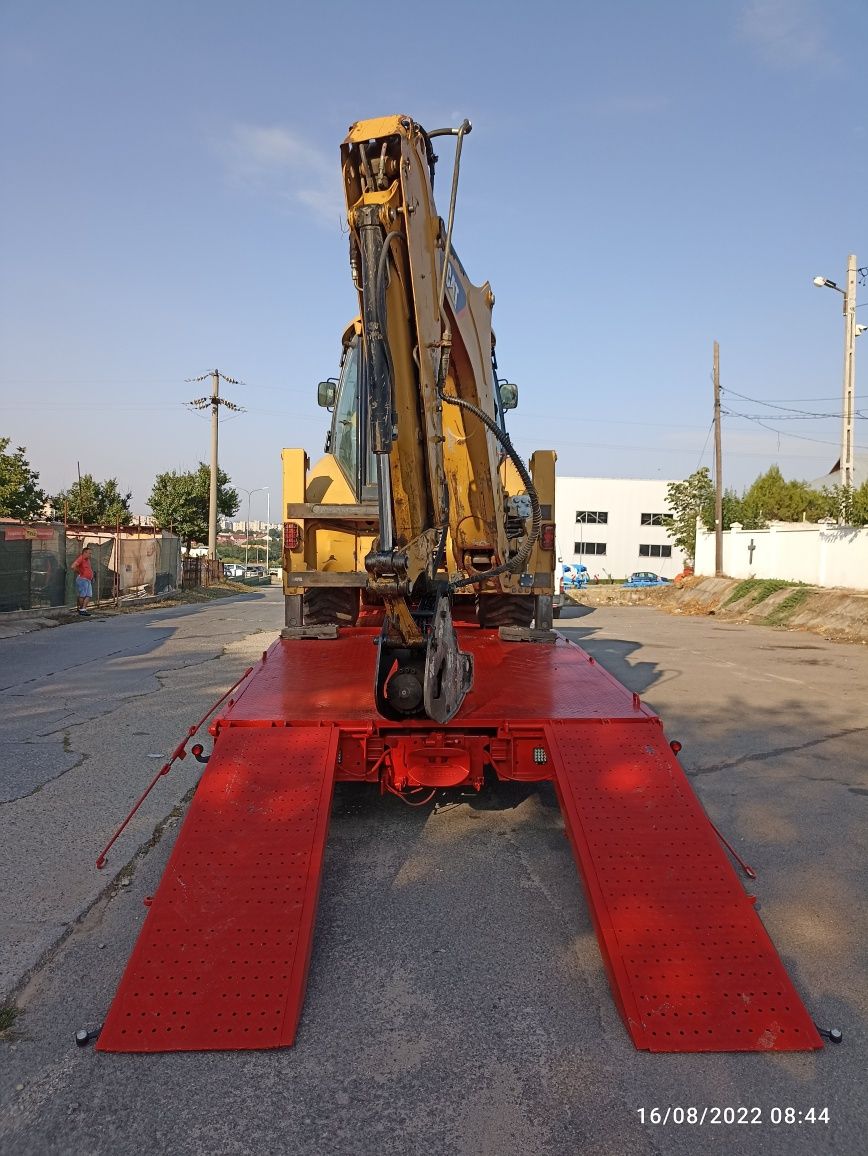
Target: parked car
255 572
232 570
646 578
575 577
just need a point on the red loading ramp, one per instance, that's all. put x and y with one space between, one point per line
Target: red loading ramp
691 966
222 958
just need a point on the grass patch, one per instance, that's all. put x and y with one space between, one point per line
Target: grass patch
9 1013
757 589
785 608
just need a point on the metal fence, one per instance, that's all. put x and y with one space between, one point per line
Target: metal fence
32 566
36 563
200 572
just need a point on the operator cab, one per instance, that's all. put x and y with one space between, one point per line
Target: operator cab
348 439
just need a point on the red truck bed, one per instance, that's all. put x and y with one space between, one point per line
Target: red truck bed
222 958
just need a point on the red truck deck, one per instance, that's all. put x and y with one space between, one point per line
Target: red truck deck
221 961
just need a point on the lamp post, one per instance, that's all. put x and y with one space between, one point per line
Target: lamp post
267 527
849 387
249 494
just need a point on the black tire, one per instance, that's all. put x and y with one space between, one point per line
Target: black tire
326 605
496 610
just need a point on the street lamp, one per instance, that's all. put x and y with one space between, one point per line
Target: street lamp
267 527
849 389
249 493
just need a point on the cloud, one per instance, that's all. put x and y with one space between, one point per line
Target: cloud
787 33
280 162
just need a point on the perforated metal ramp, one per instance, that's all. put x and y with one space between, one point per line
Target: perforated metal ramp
691 966
222 958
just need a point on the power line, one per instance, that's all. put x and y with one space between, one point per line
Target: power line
209 376
705 447
778 406
781 433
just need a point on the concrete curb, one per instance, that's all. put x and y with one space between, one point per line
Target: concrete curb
16 622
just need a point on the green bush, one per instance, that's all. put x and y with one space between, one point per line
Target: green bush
758 589
786 606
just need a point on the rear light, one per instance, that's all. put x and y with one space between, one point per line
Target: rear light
547 536
291 536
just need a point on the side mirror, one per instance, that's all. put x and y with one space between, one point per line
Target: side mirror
508 394
325 394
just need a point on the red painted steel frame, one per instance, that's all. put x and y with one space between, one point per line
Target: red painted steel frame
222 958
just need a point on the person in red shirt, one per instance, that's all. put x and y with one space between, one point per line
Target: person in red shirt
83 581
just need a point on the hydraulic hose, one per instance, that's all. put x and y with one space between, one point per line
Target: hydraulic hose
381 297
517 562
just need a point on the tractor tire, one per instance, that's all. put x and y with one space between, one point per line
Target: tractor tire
326 605
496 610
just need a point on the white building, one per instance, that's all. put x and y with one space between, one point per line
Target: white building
614 526
241 525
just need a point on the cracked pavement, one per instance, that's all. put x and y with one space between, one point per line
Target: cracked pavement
88 713
457 1002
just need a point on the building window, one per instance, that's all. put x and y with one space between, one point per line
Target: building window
598 517
653 519
655 551
589 548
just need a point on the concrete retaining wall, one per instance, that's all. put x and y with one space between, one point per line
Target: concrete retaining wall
831 556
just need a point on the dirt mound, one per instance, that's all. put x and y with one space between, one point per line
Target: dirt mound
836 614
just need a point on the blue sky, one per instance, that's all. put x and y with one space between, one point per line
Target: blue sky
642 179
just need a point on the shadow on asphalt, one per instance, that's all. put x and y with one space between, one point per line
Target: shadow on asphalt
613 654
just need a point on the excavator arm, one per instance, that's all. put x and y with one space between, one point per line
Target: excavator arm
457 511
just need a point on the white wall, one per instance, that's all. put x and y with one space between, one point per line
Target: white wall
793 552
623 500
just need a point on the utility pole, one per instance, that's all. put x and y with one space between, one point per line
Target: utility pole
718 471
212 497
849 374
213 403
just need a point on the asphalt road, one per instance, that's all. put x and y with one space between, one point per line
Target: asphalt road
457 1002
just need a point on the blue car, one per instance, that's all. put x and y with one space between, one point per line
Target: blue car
646 578
574 577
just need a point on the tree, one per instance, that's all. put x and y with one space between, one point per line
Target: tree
180 502
771 498
859 512
20 496
847 504
94 503
688 500
732 509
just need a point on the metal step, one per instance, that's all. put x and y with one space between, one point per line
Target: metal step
221 961
691 967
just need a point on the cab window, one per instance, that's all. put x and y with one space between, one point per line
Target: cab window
345 437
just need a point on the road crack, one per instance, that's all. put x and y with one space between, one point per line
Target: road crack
762 756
